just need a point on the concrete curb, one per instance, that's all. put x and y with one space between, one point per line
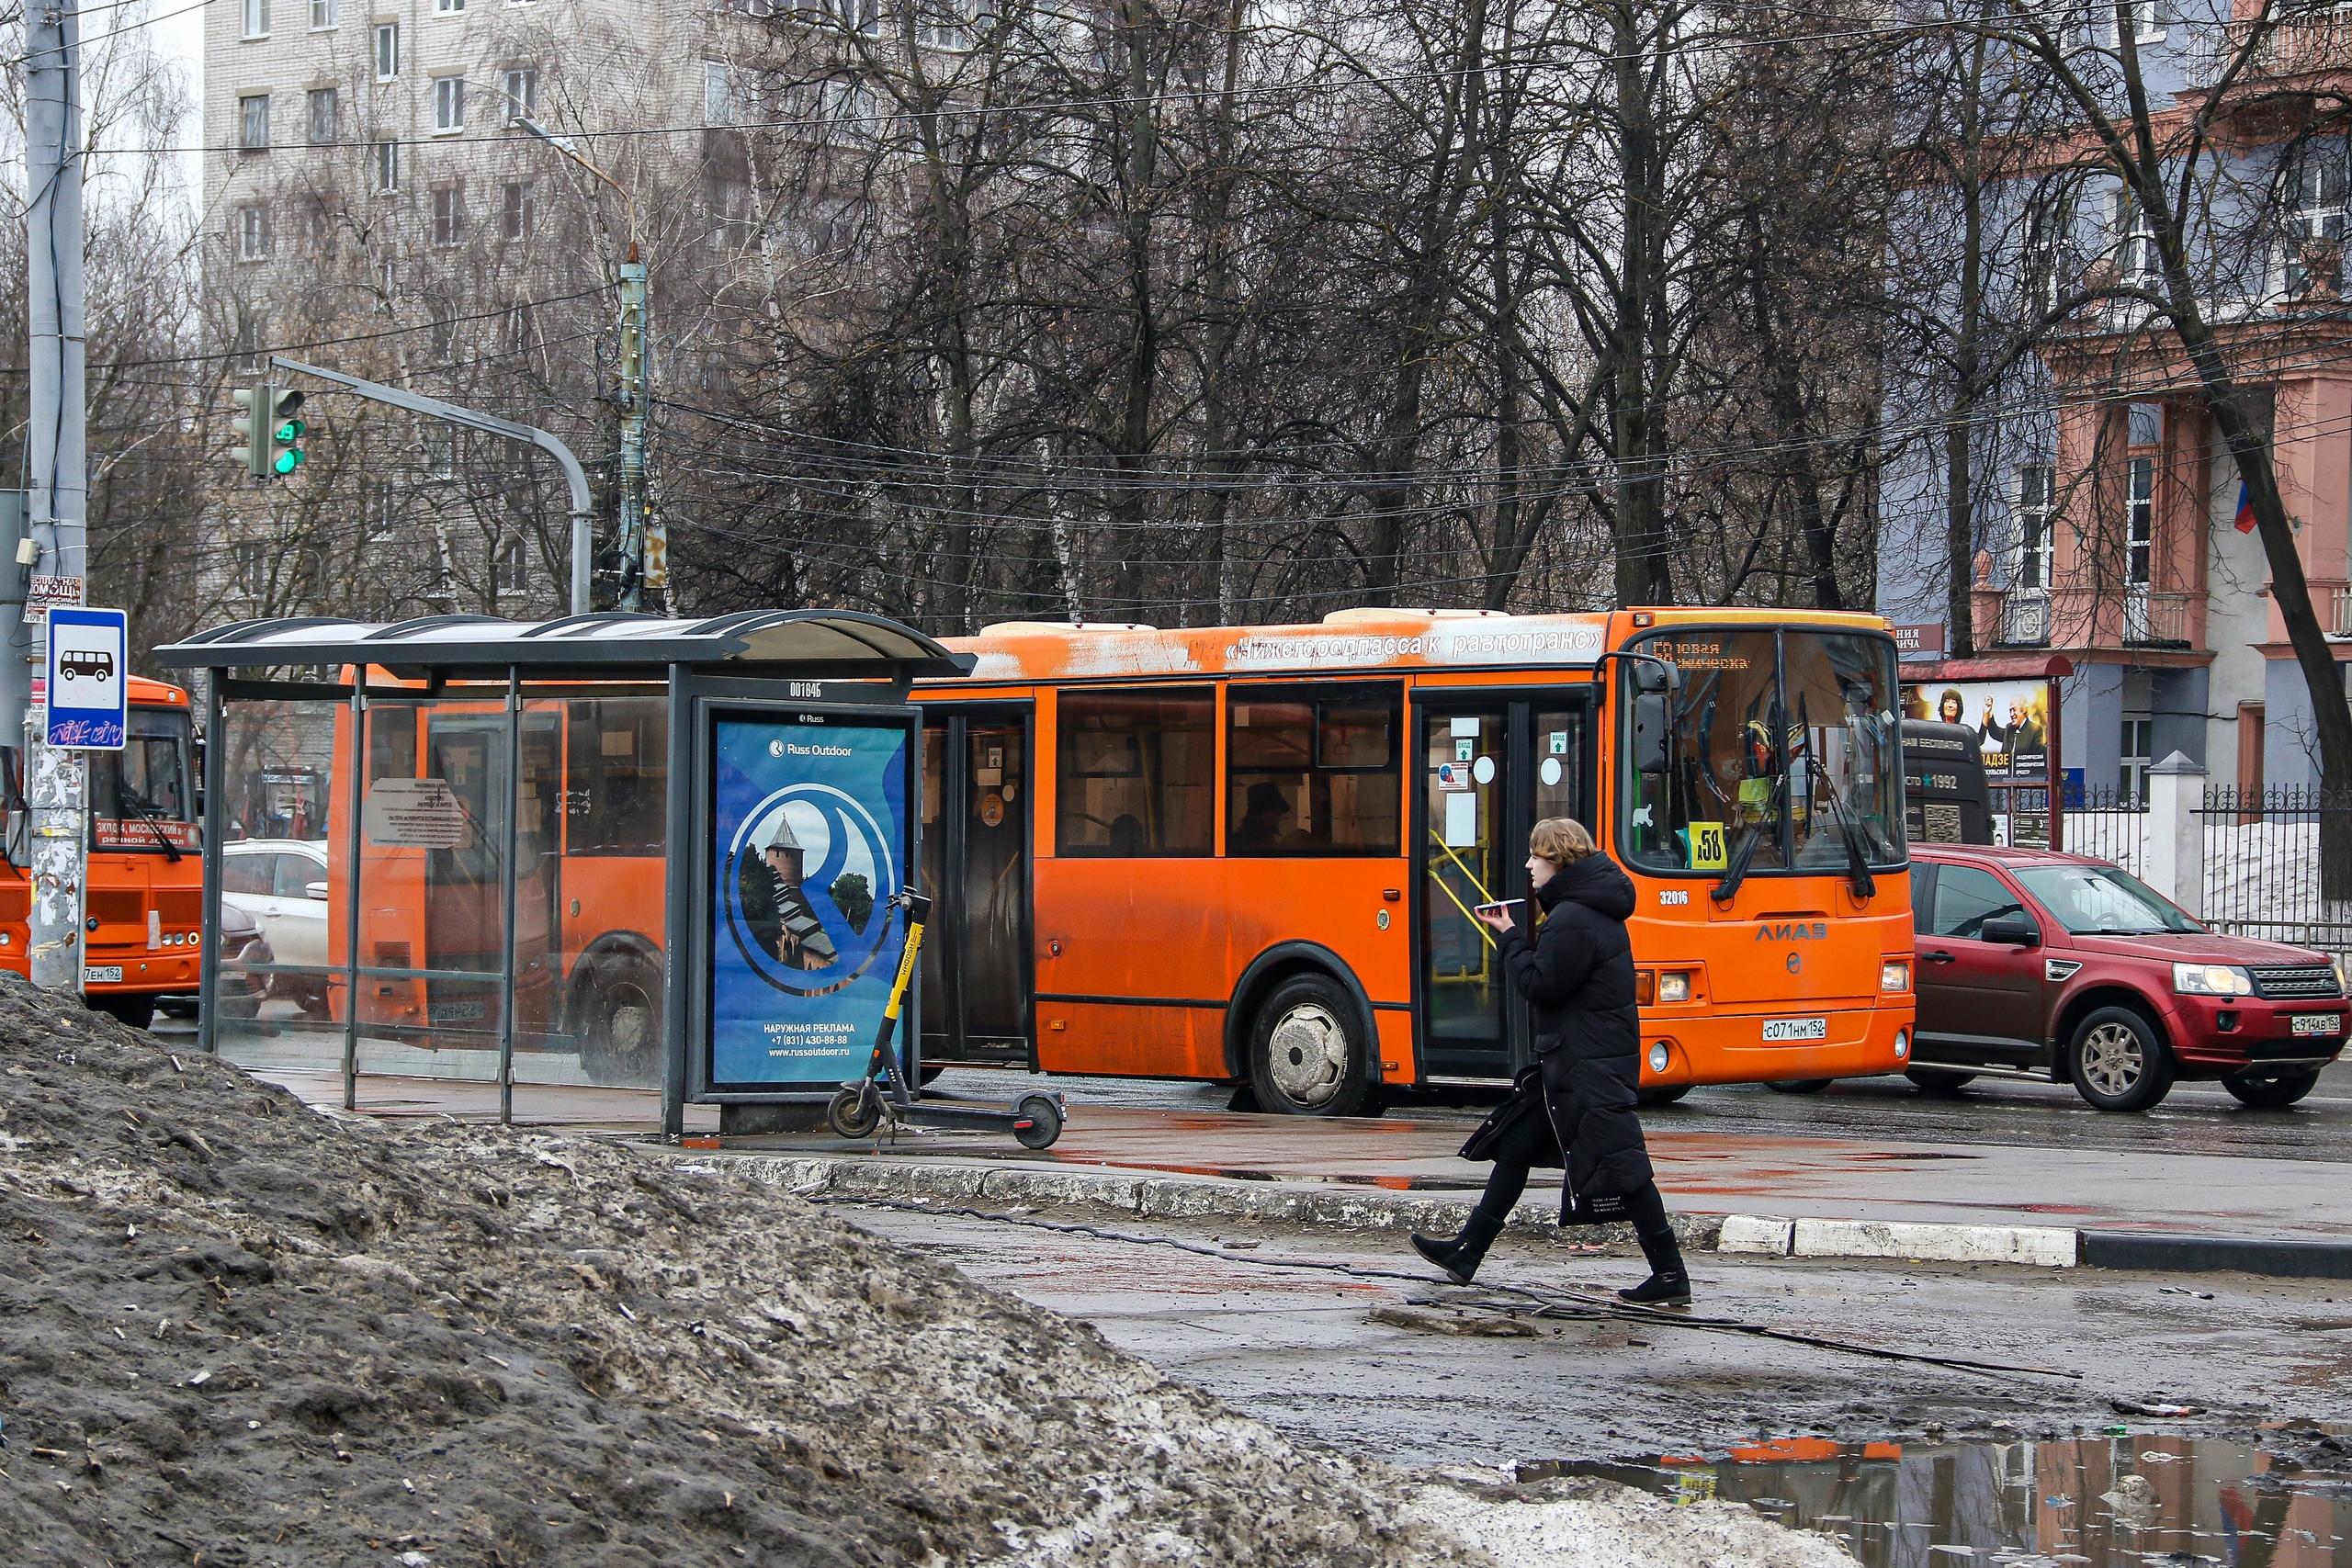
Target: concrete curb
2218 1254
1160 1196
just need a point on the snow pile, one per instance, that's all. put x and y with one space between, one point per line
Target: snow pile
1598 1523
235 1331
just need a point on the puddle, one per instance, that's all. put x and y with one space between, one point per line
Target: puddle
2086 1501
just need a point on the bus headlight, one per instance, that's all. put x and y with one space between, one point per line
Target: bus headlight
1901 1044
2211 980
1895 975
1658 1057
1673 986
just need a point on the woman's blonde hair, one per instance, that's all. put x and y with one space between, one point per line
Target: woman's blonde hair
1559 841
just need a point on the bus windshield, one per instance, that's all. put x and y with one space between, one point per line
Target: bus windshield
149 777
1779 753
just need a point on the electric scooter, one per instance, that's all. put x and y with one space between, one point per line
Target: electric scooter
861 1107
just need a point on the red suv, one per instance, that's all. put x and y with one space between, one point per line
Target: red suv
2036 964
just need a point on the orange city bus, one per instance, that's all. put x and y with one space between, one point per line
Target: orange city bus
143 892
1251 854
1245 855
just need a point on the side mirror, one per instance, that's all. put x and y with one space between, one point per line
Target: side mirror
314 890
2016 930
1650 723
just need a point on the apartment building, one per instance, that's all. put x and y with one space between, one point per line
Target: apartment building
2107 517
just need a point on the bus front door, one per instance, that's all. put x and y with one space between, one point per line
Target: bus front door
975 956
1492 766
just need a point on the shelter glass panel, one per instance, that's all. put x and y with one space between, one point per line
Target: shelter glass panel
281 956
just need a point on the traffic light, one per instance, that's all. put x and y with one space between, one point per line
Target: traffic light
286 428
254 403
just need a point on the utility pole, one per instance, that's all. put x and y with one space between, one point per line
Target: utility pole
644 540
57 468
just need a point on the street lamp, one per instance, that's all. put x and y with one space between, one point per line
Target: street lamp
643 547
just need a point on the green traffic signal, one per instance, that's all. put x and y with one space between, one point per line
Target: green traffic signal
286 462
286 430
291 430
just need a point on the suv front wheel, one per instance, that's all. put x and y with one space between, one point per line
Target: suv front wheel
2119 1061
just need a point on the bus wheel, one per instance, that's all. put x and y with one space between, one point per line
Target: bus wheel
1936 1080
620 1024
1799 1086
132 1008
1305 1058
1661 1094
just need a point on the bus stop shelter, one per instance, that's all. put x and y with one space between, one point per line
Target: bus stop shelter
603 852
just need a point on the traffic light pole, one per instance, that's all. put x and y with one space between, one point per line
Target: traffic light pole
56 477
583 566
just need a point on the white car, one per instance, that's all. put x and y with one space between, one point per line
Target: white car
282 884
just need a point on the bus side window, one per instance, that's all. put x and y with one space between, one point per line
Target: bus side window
1135 772
391 741
617 772
1311 773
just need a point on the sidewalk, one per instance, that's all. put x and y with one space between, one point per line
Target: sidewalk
1763 1193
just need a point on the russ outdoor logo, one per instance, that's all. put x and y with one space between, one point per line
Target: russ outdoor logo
808 884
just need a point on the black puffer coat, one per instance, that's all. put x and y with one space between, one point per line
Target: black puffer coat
1577 974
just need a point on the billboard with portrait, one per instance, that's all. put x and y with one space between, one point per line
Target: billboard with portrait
2015 727
810 843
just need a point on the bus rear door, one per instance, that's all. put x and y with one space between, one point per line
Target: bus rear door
1492 764
977 979
464 890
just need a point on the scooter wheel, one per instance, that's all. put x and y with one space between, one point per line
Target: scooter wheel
1039 1122
854 1112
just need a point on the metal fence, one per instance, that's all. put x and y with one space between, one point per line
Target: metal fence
2108 824
2262 865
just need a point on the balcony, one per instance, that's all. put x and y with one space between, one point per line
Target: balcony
2156 620
2320 43
2339 609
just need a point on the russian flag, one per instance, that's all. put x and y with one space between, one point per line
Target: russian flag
2244 519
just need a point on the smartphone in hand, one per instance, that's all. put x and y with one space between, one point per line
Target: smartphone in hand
1500 905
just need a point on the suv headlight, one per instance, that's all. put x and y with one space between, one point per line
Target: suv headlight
2211 980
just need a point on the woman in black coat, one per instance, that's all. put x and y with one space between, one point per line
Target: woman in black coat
1577 974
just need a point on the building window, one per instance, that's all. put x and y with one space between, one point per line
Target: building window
388 166
2132 757
318 226
2037 512
322 117
249 561
2140 540
2135 238
2051 266
1312 772
448 104
1137 774
388 50
440 460
510 568
252 233
253 123
718 93
2144 16
322 15
952 24
522 92
448 8
2312 252
246 346
448 215
518 327
517 210
257 18
860 15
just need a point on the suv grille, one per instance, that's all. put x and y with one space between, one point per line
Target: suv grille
2298 980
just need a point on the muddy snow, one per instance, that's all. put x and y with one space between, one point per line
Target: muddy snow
236 1331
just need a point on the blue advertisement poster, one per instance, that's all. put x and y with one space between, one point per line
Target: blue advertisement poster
810 830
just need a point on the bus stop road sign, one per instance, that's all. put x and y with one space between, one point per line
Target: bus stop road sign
88 682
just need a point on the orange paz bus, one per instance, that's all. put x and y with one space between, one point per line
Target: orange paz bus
1251 854
143 898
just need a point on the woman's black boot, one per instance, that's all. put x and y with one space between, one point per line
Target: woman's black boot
1670 1282
1461 1256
